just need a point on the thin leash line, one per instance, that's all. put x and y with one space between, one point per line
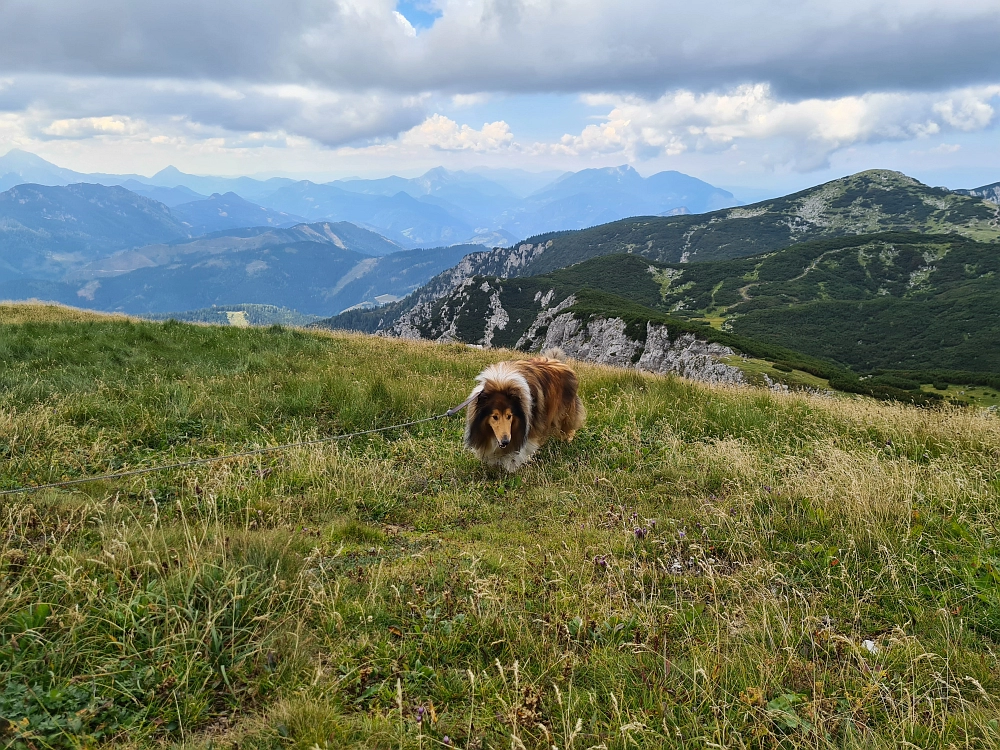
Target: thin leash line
241 454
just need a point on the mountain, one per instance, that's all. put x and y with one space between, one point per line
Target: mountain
484 206
20 167
466 195
168 196
400 217
886 314
520 182
597 196
229 211
246 187
929 295
989 192
314 269
341 235
47 231
864 203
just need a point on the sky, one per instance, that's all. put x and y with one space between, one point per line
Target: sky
773 95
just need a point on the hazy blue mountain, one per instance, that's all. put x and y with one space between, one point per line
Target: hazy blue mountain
341 235
596 196
520 182
484 206
400 217
467 195
230 211
46 231
394 276
245 187
309 269
989 192
168 196
19 167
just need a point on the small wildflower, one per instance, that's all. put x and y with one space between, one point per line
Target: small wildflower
767 488
640 532
420 715
870 646
601 561
651 522
681 534
446 740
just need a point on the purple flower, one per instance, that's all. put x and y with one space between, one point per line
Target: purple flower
601 561
420 715
681 534
767 488
446 740
640 532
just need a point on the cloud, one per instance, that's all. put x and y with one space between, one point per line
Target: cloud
811 130
89 127
441 133
810 48
55 106
807 78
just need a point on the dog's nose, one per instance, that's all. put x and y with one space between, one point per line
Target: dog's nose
505 442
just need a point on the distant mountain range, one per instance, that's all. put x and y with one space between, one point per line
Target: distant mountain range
488 207
312 269
46 232
229 211
107 248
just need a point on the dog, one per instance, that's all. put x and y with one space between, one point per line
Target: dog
518 405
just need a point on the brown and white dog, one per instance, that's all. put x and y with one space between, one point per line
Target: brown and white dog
518 405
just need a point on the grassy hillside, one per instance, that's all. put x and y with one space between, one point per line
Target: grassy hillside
700 566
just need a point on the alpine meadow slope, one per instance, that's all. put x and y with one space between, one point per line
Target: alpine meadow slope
701 566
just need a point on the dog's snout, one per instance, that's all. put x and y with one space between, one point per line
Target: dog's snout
505 442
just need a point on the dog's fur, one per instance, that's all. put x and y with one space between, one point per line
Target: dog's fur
518 405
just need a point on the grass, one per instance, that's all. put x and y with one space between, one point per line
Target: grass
703 566
754 369
975 395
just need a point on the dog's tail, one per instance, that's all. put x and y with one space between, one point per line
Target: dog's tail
556 353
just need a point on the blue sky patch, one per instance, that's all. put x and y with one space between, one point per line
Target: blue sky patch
420 13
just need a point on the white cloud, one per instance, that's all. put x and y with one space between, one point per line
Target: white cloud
810 130
407 27
441 133
88 127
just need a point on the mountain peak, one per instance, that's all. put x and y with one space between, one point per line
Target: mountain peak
170 171
16 159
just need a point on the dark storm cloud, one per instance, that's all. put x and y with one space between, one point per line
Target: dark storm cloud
801 48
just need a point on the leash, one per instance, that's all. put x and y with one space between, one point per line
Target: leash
242 454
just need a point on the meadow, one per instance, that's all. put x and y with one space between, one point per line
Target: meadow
702 567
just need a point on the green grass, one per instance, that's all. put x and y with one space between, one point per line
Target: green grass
701 565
